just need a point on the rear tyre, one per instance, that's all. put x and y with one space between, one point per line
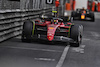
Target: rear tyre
76 35
73 14
27 31
92 17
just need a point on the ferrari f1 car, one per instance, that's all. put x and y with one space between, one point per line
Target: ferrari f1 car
83 14
52 29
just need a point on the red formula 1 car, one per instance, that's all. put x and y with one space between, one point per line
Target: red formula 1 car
52 29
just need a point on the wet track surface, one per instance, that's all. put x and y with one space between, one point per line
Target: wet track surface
14 53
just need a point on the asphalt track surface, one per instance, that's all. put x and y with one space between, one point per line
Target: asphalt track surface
14 53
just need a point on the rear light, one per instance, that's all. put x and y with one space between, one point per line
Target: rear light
82 16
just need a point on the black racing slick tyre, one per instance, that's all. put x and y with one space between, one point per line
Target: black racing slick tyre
73 14
76 35
92 17
27 31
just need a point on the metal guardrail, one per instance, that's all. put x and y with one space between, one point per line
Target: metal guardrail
11 21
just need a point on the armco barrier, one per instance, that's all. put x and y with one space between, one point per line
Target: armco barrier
11 21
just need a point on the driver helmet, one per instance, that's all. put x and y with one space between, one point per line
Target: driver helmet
83 8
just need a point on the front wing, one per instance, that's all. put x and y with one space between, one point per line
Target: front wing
56 38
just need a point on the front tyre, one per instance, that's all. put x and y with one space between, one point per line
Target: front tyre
76 35
27 31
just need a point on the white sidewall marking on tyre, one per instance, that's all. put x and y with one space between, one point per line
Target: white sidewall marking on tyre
79 37
71 19
63 56
80 30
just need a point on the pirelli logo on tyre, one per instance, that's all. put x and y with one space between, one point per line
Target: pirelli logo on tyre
49 1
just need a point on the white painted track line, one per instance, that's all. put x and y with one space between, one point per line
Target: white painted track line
44 59
95 34
61 61
49 50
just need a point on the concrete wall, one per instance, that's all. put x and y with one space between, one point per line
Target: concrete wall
24 4
11 21
81 3
7 4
